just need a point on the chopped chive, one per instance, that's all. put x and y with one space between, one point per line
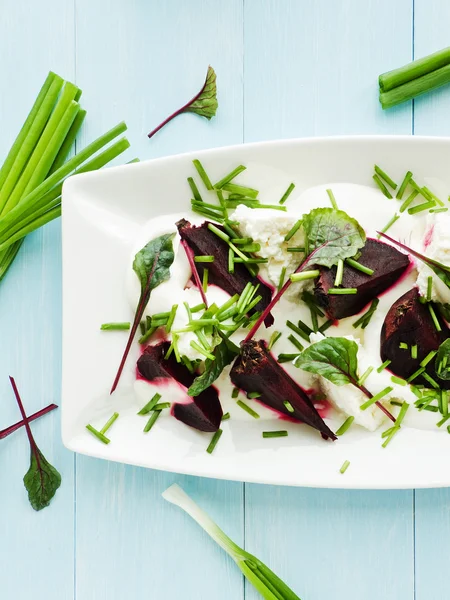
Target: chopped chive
169 351
240 189
230 261
235 392
198 307
252 395
116 326
431 196
389 225
288 406
339 273
152 421
109 422
171 318
430 380
345 426
253 303
293 230
188 310
421 207
273 339
395 403
382 187
385 177
326 325
356 265
228 304
398 380
401 414
281 281
205 205
142 327
392 432
409 200
238 252
431 408
287 193
403 346
251 247
244 297
388 432
416 391
203 176
205 280
251 261
383 366
414 351
227 225
423 404
204 259
429 287
342 291
282 358
376 398
219 232
158 317
310 302
295 249
365 375
428 357
434 317
365 319
295 277
242 241
194 189
403 186
295 342
163 405
443 420
438 210
332 199
247 409
188 364
344 467
150 405
234 173
98 435
147 335
214 440
201 350
226 416
175 347
302 332
444 402
208 214
416 374
275 434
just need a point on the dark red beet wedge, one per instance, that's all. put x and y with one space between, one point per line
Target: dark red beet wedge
388 265
204 242
409 321
255 370
205 411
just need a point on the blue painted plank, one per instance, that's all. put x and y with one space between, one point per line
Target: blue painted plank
311 68
431 117
34 38
140 61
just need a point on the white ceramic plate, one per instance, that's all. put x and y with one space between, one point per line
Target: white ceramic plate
102 216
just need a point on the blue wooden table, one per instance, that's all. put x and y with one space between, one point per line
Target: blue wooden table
285 68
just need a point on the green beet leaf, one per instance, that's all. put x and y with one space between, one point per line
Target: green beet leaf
41 480
331 235
333 358
224 354
443 361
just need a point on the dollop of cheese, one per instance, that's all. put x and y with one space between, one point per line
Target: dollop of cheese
436 245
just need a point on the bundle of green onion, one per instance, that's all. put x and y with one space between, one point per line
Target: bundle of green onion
415 78
33 173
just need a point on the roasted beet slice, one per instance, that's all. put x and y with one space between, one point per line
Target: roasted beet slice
205 411
255 370
409 321
388 265
204 242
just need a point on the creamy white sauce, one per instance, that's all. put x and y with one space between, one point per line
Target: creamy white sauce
373 211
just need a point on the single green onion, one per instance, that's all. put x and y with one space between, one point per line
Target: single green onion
344 467
203 176
247 409
443 420
303 332
240 189
235 392
198 307
295 277
295 342
339 273
108 423
358 266
282 277
415 374
204 259
287 193
171 318
226 416
282 358
385 177
395 403
421 207
150 405
365 375
275 434
366 317
376 398
164 405
252 395
430 380
342 291
389 225
230 261
382 187
194 189
273 339
288 406
234 173
404 185
403 346
205 280
299 249
152 421
293 230
414 351
98 435
398 380
383 366
325 325
332 199
409 200
115 326
345 426
214 440
434 317
428 358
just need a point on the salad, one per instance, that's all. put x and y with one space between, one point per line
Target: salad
327 308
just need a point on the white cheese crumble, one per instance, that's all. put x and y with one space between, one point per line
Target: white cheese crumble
436 245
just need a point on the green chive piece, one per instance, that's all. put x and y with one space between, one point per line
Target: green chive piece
194 189
403 346
288 406
358 266
385 177
389 225
152 421
188 310
198 307
430 380
275 434
251 261
214 440
228 304
150 405
295 249
345 426
414 351
115 326
365 375
365 319
252 395
169 351
162 405
295 277
332 199
416 391
141 327
251 248
428 357
339 273
421 207
282 358
383 366
98 435
388 432
404 185
326 325
230 261
219 232
201 350
398 380
247 409
205 280
109 422
207 214
295 342
395 403
443 420
431 408
344 467
438 210
204 259
409 200
287 193
273 339
444 402
203 176
376 398
171 318
240 189
429 288
234 173
342 291
401 414
235 392
293 230
303 331
282 277
416 374
431 196
423 403
382 187
226 416
242 241
175 347
434 317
